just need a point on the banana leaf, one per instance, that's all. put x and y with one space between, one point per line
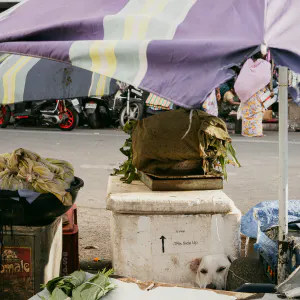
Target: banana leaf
95 288
66 284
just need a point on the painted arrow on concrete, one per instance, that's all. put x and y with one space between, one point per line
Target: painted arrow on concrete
162 238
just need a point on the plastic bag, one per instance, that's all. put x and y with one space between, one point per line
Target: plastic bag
254 76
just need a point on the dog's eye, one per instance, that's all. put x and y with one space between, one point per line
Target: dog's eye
221 269
203 271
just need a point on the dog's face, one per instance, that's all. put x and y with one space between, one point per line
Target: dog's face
211 271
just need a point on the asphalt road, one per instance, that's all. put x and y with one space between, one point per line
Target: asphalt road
94 154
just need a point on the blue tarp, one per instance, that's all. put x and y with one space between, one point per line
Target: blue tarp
262 217
267 214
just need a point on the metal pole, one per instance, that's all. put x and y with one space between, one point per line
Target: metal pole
272 70
283 174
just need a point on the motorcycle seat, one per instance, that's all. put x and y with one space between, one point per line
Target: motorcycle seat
24 113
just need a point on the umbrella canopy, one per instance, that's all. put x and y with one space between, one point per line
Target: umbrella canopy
179 50
25 78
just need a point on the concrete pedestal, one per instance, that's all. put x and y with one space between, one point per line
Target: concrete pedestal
156 234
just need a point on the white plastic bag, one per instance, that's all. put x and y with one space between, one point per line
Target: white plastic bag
254 76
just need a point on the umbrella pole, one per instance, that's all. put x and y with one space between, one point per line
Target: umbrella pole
271 81
283 175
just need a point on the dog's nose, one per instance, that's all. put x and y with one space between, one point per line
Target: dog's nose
211 286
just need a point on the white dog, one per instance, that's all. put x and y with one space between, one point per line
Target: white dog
211 271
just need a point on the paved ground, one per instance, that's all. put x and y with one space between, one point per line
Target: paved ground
94 154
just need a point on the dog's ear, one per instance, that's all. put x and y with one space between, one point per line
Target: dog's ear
231 258
194 265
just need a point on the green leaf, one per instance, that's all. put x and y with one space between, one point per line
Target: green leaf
125 152
128 143
77 278
127 169
51 285
58 294
66 284
222 162
131 177
232 152
95 288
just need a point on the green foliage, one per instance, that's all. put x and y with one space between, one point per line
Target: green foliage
127 169
95 288
67 283
76 287
220 153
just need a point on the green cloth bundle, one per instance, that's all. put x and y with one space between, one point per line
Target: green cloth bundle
163 143
177 142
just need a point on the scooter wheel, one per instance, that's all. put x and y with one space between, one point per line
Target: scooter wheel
94 120
71 122
136 112
99 118
5 114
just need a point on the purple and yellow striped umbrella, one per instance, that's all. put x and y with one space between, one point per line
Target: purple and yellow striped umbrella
179 50
25 78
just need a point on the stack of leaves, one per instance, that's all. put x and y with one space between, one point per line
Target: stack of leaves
160 144
77 287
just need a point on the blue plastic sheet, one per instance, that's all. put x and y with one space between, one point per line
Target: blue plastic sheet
266 213
268 247
260 219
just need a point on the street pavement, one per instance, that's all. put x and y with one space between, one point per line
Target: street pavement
94 154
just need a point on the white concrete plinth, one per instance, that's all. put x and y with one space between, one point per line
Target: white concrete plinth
156 234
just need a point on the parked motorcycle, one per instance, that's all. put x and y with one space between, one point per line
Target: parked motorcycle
61 113
80 108
127 104
5 114
134 108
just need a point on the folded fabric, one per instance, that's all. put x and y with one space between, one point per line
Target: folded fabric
254 76
26 170
30 196
157 103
